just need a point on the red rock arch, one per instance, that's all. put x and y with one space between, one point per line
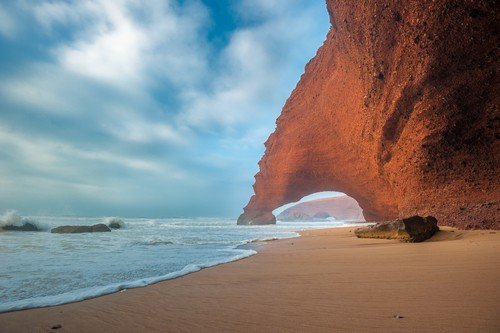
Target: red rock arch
399 110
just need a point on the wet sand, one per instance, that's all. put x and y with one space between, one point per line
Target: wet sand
325 281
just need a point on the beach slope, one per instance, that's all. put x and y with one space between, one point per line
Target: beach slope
325 281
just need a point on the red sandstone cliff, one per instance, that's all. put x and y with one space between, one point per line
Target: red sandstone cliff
399 110
341 208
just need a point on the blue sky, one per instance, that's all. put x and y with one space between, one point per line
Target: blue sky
144 108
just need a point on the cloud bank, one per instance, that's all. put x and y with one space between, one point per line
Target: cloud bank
156 108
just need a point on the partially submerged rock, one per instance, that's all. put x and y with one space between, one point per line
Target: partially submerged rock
115 223
76 229
412 229
26 226
11 221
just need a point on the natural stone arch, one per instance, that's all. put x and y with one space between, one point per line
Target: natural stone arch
405 124
321 206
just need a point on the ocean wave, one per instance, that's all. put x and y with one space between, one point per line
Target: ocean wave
87 293
144 248
144 223
11 218
269 239
158 240
258 240
114 222
154 241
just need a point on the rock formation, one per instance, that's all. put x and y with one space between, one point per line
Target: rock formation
413 229
115 223
339 208
25 226
11 221
399 110
78 229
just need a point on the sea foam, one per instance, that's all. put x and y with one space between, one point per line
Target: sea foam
11 218
110 221
87 293
44 269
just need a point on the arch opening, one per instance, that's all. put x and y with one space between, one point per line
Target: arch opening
321 206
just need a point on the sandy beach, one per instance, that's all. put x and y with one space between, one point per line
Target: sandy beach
325 281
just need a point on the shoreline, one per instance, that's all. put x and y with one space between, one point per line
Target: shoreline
326 279
249 247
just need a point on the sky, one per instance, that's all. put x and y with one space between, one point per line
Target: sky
155 108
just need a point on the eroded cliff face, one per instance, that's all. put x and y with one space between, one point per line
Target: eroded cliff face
399 110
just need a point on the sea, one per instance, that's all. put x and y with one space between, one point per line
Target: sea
42 269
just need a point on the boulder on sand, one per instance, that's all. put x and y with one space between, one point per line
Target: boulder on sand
411 229
77 229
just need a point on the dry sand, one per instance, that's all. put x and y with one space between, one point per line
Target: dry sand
325 281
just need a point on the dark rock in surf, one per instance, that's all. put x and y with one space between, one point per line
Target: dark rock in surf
116 223
77 229
26 226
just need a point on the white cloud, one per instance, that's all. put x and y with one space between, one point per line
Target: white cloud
8 26
133 117
144 92
252 8
113 56
134 53
116 45
128 125
56 157
43 89
51 13
251 87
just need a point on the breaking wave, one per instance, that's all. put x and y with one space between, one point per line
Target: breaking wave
11 218
87 293
40 269
114 221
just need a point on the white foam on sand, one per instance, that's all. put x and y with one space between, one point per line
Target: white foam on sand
42 269
87 293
